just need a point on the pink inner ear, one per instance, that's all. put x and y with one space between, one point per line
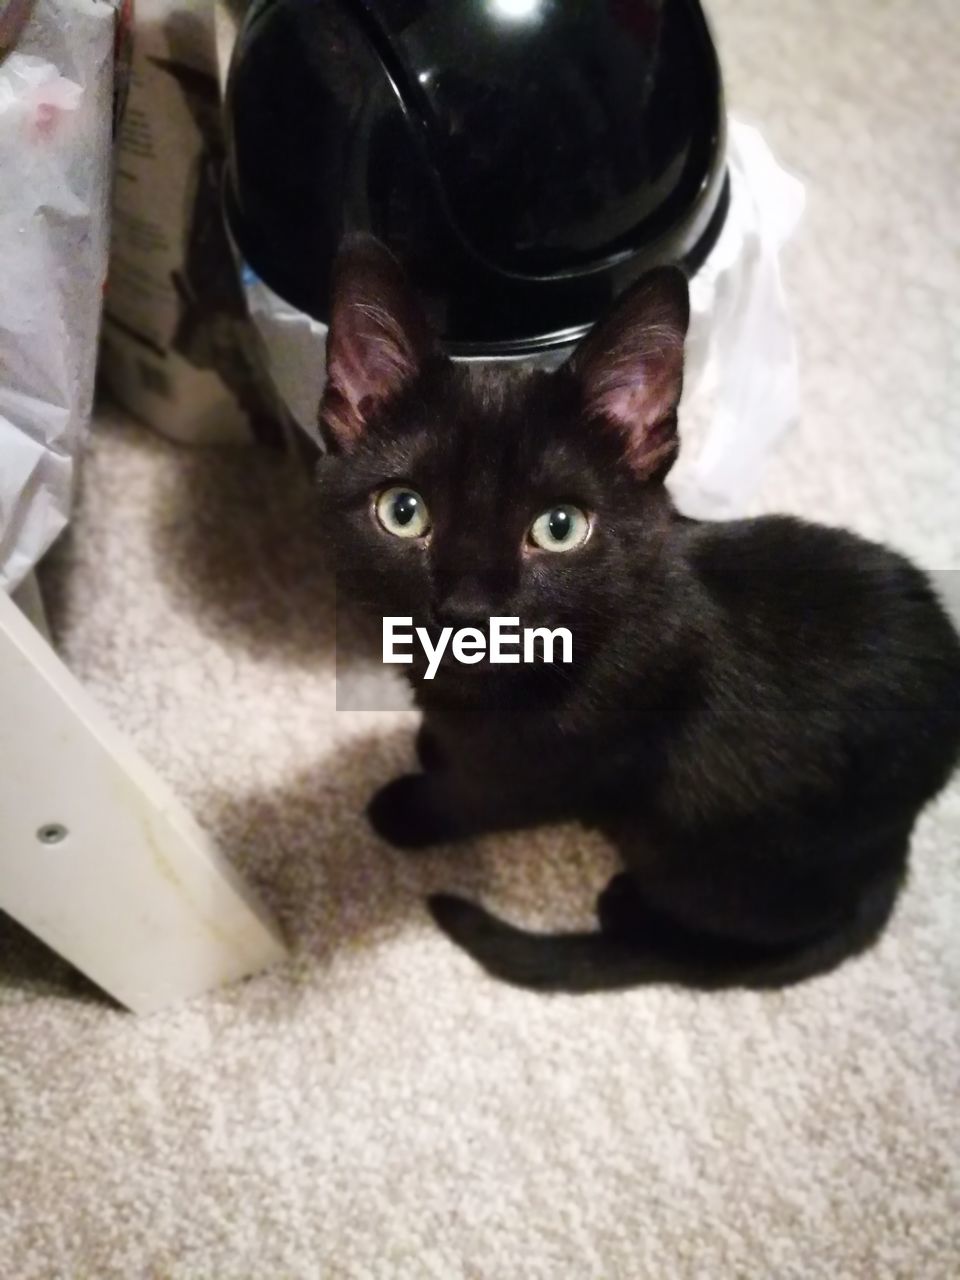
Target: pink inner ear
341 418
637 402
636 388
630 367
370 359
378 337
645 451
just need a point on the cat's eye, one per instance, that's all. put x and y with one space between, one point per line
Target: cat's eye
561 528
403 512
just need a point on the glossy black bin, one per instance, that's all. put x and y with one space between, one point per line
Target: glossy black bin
525 159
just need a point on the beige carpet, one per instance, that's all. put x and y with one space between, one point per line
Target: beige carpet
377 1107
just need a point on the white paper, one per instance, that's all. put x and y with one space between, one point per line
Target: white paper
56 97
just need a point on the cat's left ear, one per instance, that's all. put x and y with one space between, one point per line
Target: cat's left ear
630 369
378 337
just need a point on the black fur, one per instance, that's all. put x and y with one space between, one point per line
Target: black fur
756 713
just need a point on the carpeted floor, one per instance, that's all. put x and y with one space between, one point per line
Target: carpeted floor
377 1107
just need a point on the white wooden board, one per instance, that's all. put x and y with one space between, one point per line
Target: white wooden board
133 893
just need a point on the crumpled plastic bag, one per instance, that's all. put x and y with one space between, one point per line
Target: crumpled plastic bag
56 112
741 387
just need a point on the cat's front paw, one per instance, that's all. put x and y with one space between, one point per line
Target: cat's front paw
409 813
428 750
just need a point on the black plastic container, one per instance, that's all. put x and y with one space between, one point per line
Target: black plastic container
525 159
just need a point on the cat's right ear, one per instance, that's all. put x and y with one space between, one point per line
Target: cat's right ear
377 341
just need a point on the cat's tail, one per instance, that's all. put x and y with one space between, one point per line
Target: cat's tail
585 962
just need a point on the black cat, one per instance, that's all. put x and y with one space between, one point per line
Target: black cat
756 711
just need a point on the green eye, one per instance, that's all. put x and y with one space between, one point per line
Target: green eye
403 512
562 528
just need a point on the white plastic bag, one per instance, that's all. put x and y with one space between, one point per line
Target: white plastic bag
741 389
56 111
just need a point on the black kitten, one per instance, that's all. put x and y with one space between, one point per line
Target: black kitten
756 711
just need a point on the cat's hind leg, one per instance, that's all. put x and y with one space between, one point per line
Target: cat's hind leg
679 951
620 907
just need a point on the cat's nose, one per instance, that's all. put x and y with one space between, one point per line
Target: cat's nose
463 607
458 618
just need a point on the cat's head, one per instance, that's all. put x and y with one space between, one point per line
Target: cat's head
456 493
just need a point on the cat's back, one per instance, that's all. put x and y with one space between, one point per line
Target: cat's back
826 658
822 622
792 587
